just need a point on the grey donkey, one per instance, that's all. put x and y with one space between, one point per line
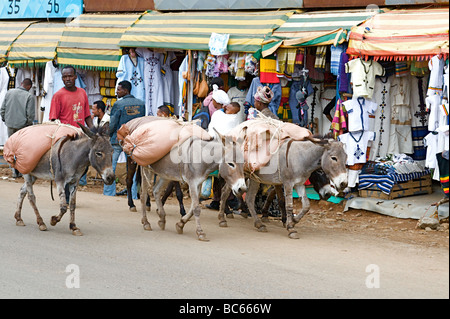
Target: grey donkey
65 163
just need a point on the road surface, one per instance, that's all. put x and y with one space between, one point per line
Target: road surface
116 258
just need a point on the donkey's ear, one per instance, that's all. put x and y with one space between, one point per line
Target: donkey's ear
104 130
316 140
86 130
221 137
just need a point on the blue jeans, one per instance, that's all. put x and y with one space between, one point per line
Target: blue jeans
110 190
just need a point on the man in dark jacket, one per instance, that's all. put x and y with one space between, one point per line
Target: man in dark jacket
125 109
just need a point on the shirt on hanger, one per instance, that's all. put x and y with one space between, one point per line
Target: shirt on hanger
363 76
361 114
356 145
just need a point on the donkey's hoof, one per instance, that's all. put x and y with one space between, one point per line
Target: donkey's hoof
265 219
202 237
162 225
262 229
148 227
20 223
53 220
77 232
148 208
223 224
294 235
42 227
133 209
179 226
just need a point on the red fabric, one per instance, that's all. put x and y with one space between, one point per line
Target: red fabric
70 107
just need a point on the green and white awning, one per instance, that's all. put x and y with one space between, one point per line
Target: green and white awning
192 30
36 45
91 41
315 28
10 30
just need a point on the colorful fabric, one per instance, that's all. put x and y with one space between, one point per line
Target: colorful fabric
386 182
268 70
443 172
339 123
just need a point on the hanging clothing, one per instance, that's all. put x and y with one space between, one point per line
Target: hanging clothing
382 118
443 172
46 100
363 76
132 71
356 145
167 59
401 135
436 66
301 85
182 85
4 84
237 95
419 122
361 114
154 85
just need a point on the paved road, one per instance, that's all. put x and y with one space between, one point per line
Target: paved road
116 258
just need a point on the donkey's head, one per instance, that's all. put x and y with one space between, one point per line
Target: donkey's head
321 184
231 168
333 161
100 154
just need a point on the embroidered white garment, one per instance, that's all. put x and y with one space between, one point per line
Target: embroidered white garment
356 145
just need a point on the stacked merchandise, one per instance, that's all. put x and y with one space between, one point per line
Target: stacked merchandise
107 85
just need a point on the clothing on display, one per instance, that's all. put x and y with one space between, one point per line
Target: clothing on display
363 76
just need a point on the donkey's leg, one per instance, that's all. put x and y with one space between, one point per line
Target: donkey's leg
146 176
194 191
60 187
292 233
158 189
301 191
226 190
32 199
72 204
22 194
131 170
250 201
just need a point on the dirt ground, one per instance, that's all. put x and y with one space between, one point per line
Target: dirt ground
326 215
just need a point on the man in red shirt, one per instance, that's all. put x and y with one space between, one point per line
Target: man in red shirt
70 104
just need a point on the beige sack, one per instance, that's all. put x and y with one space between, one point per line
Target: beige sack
25 148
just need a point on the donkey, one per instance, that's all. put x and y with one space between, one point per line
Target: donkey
191 162
290 166
65 163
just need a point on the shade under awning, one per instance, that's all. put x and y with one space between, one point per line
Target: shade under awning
402 34
315 28
10 31
91 41
192 30
36 45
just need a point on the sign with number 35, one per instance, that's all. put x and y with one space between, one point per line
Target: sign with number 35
34 9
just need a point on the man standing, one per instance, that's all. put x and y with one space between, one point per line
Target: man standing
70 104
98 111
125 109
18 110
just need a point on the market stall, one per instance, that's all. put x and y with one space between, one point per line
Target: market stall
411 120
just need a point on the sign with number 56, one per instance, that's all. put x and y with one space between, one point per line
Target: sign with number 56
35 9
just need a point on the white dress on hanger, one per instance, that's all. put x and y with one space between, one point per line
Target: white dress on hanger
4 80
48 88
382 118
168 91
154 85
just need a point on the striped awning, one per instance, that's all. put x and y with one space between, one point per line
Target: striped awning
9 33
91 41
192 30
315 28
402 34
36 45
